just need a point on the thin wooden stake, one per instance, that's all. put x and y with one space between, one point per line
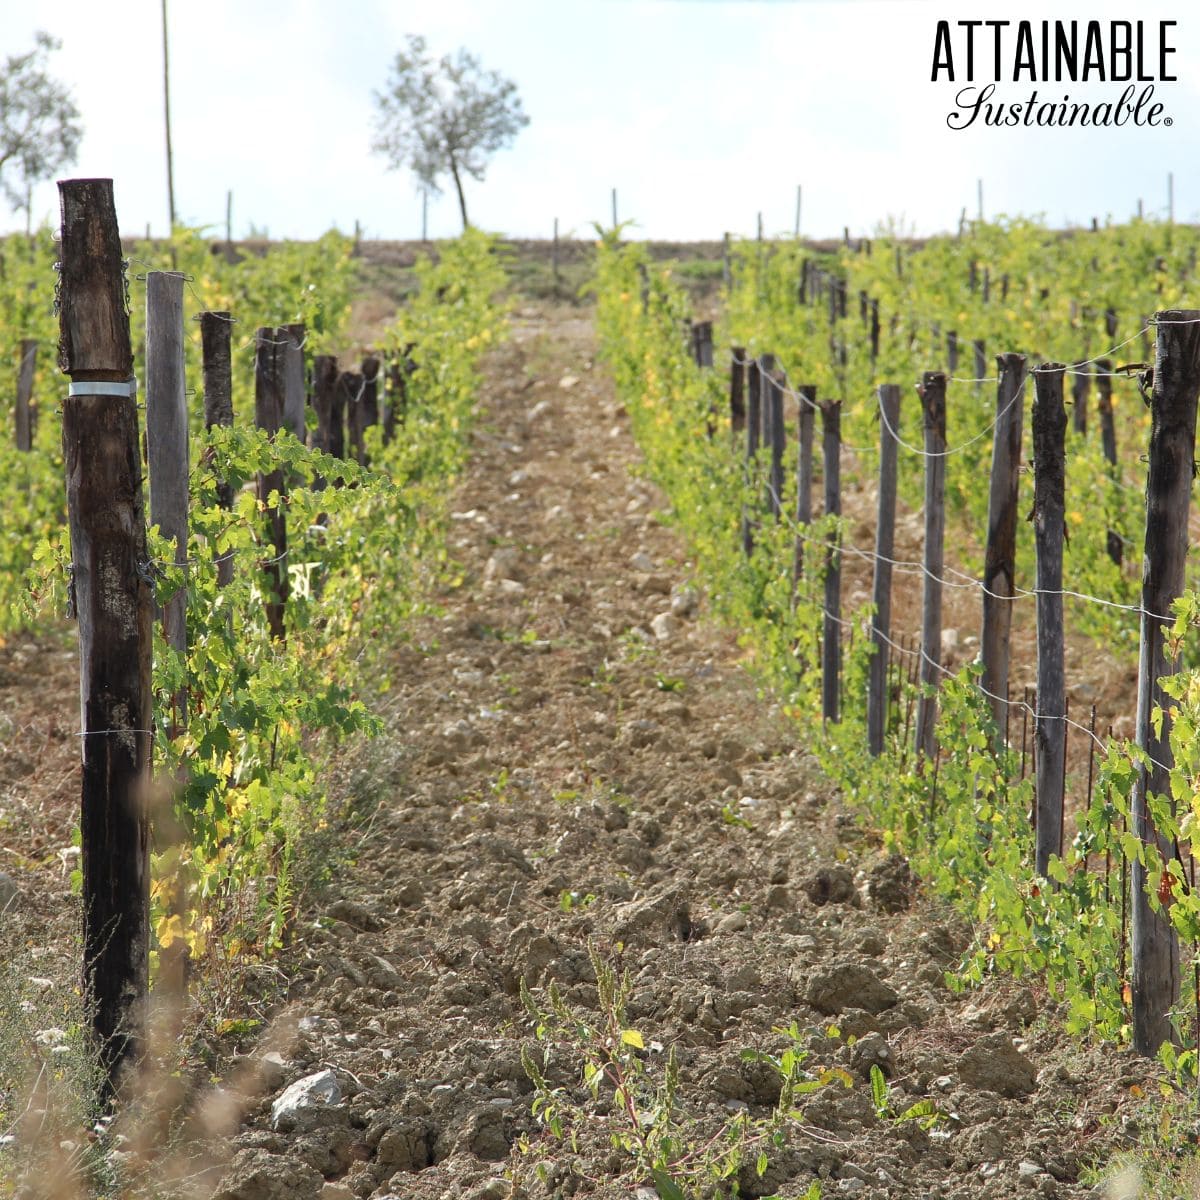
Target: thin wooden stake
831 658
167 442
1049 432
933 403
737 389
1108 438
1001 550
269 383
881 591
294 388
25 415
218 406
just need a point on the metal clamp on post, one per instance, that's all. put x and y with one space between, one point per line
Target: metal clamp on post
92 387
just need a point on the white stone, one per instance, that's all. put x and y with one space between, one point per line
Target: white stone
312 1090
664 626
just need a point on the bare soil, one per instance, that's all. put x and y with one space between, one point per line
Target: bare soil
578 770
561 786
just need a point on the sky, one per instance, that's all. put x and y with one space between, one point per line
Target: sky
701 113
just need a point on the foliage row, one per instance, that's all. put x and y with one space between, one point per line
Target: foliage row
963 820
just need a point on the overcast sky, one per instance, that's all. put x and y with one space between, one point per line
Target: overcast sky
700 112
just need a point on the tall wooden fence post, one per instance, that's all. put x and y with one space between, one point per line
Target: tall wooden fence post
807 400
737 389
881 591
269 391
1108 439
114 609
368 405
831 647
217 370
24 414
294 387
1001 550
1168 499
325 388
167 442
774 433
1050 729
1081 386
351 388
933 404
753 429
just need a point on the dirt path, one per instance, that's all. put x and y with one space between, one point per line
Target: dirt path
575 766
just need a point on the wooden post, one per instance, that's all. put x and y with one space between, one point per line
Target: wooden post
1108 439
881 592
368 404
351 387
111 582
831 655
167 441
773 404
294 389
804 475
704 343
269 385
933 404
554 259
218 405
339 415
753 429
980 351
952 351
1081 385
25 415
1049 524
324 399
874 330
1001 549
737 389
1168 499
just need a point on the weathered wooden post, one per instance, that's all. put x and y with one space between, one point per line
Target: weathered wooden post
1050 728
933 404
217 370
1081 386
881 591
776 436
807 393
831 648
351 387
24 414
294 387
1108 439
979 349
324 381
1001 550
1168 500
167 442
368 405
269 385
753 429
702 343
952 352
114 604
737 389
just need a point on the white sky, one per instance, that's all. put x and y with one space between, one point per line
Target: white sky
700 113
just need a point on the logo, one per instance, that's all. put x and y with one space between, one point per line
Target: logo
992 61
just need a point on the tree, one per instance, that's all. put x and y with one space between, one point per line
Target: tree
39 123
444 117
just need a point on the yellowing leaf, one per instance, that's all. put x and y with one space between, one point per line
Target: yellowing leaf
631 1037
